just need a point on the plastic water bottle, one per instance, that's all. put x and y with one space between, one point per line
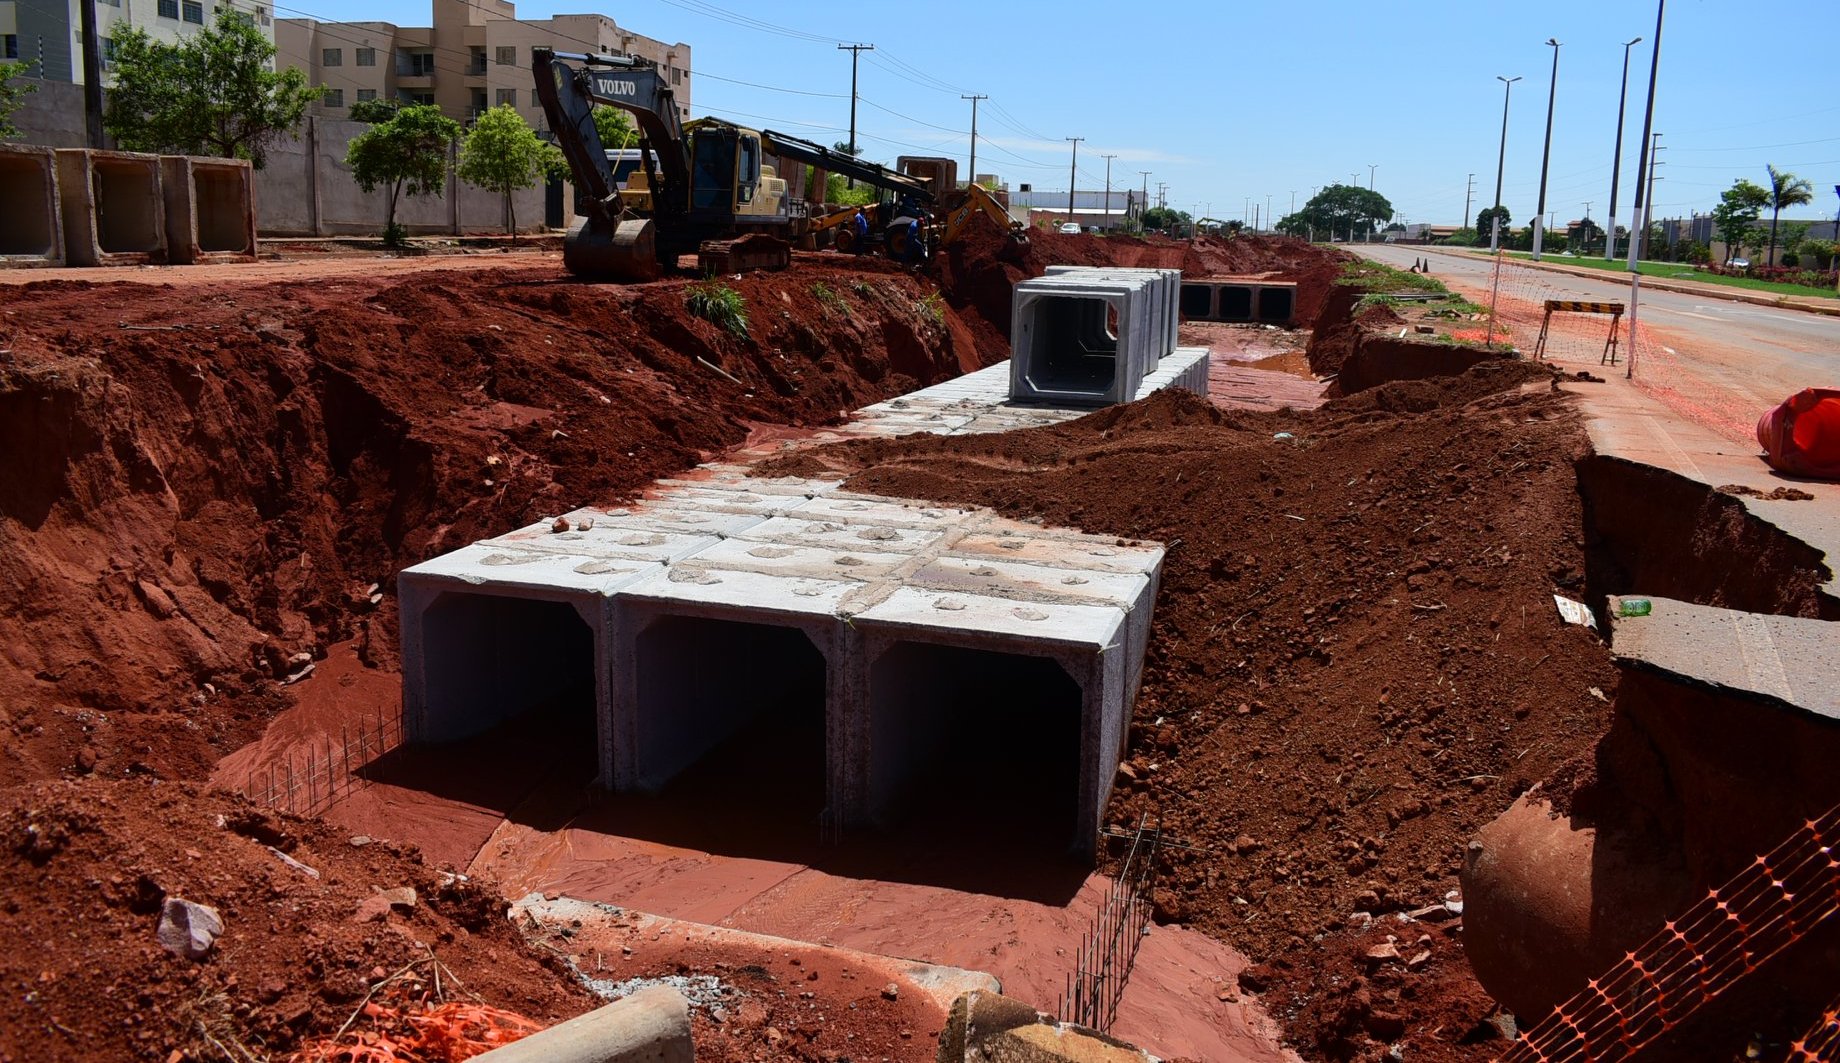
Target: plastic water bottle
1633 607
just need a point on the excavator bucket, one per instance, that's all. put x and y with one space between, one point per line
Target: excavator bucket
628 253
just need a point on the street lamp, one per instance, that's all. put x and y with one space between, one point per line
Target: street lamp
1616 164
1546 155
1501 160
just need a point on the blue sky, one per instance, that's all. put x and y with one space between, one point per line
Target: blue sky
1228 102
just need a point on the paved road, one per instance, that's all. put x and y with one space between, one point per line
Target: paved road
1756 348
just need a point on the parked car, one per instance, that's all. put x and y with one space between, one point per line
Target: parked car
1070 228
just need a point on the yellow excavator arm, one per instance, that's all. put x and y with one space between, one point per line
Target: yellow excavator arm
978 200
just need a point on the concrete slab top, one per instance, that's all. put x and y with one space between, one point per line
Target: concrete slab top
918 612
1784 658
491 565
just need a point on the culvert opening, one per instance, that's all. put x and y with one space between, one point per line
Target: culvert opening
1074 349
23 184
733 710
127 219
223 209
1277 304
976 740
1197 301
1235 303
490 659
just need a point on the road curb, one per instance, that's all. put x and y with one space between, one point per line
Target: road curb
1732 295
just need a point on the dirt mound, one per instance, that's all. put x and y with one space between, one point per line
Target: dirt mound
1400 376
208 486
88 866
1355 660
979 271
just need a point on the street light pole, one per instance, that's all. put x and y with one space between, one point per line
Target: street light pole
1616 164
1108 191
1552 93
1073 173
1501 159
1635 230
1469 191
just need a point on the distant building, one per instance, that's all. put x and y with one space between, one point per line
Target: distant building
1090 209
475 56
46 35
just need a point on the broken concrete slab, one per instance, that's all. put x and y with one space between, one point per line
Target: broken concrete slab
1789 660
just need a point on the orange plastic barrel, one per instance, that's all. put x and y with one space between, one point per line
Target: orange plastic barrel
1801 437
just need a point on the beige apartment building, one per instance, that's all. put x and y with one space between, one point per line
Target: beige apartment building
475 56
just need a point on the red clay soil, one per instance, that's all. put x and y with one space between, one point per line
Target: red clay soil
207 486
86 866
978 272
1355 660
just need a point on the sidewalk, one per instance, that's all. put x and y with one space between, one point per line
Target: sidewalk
1810 304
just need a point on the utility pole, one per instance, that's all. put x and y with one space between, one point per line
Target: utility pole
974 102
92 75
1653 165
1162 200
1267 214
1501 160
1108 189
1371 167
1552 93
1146 203
1616 162
1636 230
1468 194
855 51
1073 173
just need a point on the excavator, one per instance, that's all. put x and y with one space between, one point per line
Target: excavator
704 186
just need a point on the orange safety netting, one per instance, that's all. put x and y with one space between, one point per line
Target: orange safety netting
415 1032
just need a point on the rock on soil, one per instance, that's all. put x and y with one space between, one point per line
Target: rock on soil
1354 661
95 874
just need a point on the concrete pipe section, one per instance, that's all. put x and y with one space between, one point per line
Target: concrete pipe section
31 231
1165 297
210 209
114 213
650 1026
893 633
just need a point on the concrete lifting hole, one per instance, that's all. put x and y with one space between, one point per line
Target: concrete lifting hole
760 688
30 234
964 732
496 658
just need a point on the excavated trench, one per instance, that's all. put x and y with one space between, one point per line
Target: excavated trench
1652 531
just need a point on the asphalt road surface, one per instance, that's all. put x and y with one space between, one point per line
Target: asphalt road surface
1758 353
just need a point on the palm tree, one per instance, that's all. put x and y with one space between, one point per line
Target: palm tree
1786 190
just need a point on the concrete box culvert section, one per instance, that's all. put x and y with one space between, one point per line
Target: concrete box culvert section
901 626
1166 290
1240 301
114 212
31 228
1081 341
210 209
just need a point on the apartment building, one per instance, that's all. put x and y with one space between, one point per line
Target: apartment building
46 35
475 56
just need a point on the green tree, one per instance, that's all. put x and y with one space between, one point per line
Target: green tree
374 110
1786 190
215 92
405 154
1739 208
12 97
1485 225
503 154
1340 210
615 127
1166 218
